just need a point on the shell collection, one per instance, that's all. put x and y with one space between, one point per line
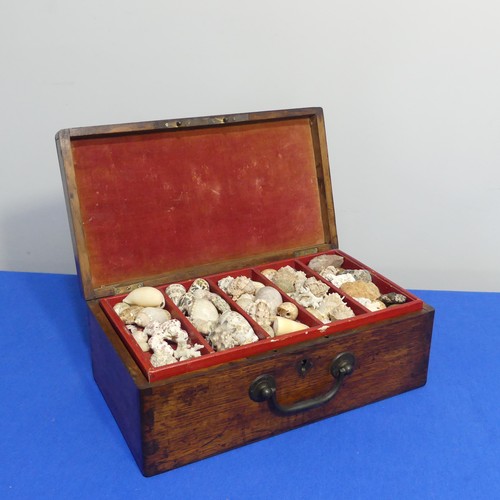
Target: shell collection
211 315
354 282
153 328
223 327
310 293
264 304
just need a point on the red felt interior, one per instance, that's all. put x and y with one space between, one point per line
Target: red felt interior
154 202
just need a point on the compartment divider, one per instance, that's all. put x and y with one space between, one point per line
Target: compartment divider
176 313
315 321
259 331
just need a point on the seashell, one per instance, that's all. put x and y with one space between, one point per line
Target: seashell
245 302
231 330
186 303
339 279
269 273
321 262
239 286
224 283
247 296
357 274
306 298
361 289
257 285
261 312
128 315
201 294
334 307
145 296
203 315
186 351
162 358
316 287
199 284
149 314
285 279
269 330
319 315
288 310
281 326
220 304
142 339
269 295
120 307
392 298
175 292
372 305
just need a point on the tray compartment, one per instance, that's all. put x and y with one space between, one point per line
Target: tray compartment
252 273
215 289
385 285
144 358
295 264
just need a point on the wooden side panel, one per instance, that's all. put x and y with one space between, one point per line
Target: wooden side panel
191 417
115 381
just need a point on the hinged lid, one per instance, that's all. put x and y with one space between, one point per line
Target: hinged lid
159 201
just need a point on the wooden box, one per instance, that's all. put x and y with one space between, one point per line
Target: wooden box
163 202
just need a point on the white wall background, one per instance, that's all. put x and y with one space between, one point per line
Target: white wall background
410 90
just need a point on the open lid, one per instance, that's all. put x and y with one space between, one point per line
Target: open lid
154 202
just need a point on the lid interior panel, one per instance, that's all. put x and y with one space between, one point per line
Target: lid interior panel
156 201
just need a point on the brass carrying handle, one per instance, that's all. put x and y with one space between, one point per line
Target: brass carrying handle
263 388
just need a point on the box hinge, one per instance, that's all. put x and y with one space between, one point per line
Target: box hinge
306 251
118 290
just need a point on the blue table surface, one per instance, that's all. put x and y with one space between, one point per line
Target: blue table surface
59 439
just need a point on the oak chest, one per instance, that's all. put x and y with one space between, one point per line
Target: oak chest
240 201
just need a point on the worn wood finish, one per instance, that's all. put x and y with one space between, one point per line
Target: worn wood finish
195 415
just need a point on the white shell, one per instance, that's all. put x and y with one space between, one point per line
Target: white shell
285 279
269 273
239 286
120 307
335 308
129 314
232 330
261 312
269 295
175 292
281 326
199 284
372 305
149 314
245 302
203 315
257 284
146 296
321 262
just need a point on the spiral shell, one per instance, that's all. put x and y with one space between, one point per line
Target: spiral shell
175 292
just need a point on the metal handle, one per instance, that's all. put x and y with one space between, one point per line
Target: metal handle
263 388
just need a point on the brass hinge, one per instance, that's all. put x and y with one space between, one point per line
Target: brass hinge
118 290
306 251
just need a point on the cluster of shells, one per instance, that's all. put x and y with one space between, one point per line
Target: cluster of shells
264 304
356 283
211 315
311 293
153 328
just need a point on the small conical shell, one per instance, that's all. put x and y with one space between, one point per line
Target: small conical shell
145 296
283 325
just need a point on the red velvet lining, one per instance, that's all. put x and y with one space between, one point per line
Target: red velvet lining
156 202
